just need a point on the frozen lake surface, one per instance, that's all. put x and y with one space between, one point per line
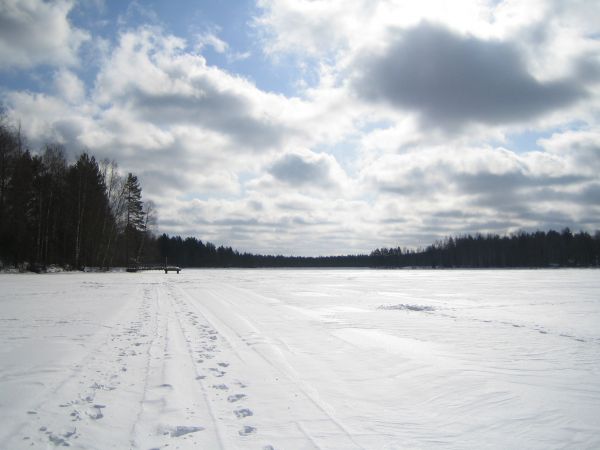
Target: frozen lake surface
301 359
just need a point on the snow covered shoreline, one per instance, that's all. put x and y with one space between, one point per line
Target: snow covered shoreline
306 358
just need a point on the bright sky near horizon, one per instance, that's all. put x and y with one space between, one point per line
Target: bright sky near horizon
317 127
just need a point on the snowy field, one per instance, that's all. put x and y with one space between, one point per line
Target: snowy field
301 359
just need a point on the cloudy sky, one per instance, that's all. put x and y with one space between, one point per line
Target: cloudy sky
322 126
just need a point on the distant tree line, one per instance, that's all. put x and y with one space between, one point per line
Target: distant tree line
537 249
522 249
72 215
192 252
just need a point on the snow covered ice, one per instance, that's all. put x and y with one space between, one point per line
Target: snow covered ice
301 359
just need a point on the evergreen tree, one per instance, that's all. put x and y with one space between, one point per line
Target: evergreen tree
10 152
134 216
21 203
88 205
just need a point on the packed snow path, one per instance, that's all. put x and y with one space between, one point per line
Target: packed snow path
301 359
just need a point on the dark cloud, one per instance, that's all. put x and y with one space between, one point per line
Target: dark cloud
211 108
68 131
500 184
588 69
584 154
515 193
158 181
487 188
256 205
451 80
591 194
295 170
453 214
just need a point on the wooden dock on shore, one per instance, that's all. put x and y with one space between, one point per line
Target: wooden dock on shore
167 269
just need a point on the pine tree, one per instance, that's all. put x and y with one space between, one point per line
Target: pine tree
134 214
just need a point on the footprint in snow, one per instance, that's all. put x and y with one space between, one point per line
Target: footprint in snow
96 413
181 430
246 431
241 413
235 397
57 440
60 439
220 386
223 364
70 432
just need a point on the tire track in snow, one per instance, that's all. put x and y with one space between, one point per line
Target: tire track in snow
271 356
197 376
176 411
156 334
208 346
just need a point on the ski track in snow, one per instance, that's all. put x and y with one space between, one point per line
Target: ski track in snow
305 359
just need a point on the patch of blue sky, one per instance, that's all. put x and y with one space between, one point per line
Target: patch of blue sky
345 152
528 141
373 125
26 80
279 77
230 22
243 178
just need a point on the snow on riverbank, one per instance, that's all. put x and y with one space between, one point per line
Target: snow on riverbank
293 359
